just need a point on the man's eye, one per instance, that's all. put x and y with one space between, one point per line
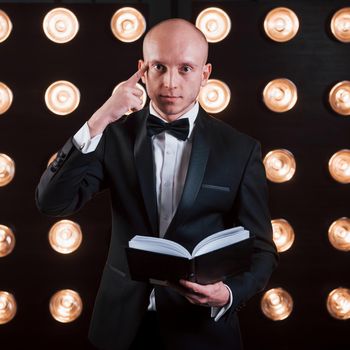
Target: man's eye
186 69
158 67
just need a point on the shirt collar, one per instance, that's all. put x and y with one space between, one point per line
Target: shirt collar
190 114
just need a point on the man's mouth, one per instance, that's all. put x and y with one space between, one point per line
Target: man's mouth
169 97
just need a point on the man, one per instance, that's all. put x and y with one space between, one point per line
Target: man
183 184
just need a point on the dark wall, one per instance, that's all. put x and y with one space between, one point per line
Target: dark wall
246 60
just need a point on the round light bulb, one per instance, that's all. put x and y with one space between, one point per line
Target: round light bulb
65 306
339 166
128 24
340 25
60 25
281 24
8 307
7 240
6 98
339 234
276 304
279 165
5 26
7 169
65 236
62 97
339 98
338 303
280 95
214 23
214 96
283 234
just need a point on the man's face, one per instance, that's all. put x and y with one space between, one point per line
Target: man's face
176 71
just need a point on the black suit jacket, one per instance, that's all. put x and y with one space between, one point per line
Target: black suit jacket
225 186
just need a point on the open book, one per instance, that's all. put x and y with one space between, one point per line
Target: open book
220 255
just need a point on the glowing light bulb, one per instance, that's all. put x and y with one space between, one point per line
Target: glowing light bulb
338 303
65 236
276 304
128 24
279 165
60 25
65 305
214 23
215 96
340 25
62 97
281 24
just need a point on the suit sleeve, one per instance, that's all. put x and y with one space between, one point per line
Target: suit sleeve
251 211
71 180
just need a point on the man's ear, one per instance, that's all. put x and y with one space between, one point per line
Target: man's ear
206 73
139 65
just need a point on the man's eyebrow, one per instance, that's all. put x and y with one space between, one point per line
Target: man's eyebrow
185 63
188 63
155 61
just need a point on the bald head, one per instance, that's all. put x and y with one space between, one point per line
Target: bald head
175 53
178 32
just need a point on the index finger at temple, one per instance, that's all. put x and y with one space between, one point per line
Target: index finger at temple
137 76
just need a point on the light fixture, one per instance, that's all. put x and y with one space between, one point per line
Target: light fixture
281 24
340 25
7 241
280 95
66 306
339 234
276 304
62 97
65 236
7 169
338 303
214 23
283 234
52 158
339 166
339 98
214 96
60 25
8 307
128 24
279 165
143 97
6 98
5 26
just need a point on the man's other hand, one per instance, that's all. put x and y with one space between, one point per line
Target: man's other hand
213 295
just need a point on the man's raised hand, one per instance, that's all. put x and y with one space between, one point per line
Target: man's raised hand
126 97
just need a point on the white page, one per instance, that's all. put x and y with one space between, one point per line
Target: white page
214 236
159 245
220 240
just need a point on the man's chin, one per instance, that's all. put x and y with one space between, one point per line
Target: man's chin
172 110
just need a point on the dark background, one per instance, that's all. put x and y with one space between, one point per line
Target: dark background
246 60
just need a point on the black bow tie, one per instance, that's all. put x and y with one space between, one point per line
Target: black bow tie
178 128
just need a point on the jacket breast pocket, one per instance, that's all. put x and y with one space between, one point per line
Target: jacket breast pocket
216 187
215 197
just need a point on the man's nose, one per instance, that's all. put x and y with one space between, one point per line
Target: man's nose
171 79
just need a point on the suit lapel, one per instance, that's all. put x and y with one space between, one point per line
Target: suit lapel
143 154
195 173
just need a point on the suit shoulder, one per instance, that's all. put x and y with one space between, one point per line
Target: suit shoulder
127 124
225 131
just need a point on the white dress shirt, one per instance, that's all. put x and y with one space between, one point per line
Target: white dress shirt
171 159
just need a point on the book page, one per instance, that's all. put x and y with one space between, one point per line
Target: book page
159 245
220 239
